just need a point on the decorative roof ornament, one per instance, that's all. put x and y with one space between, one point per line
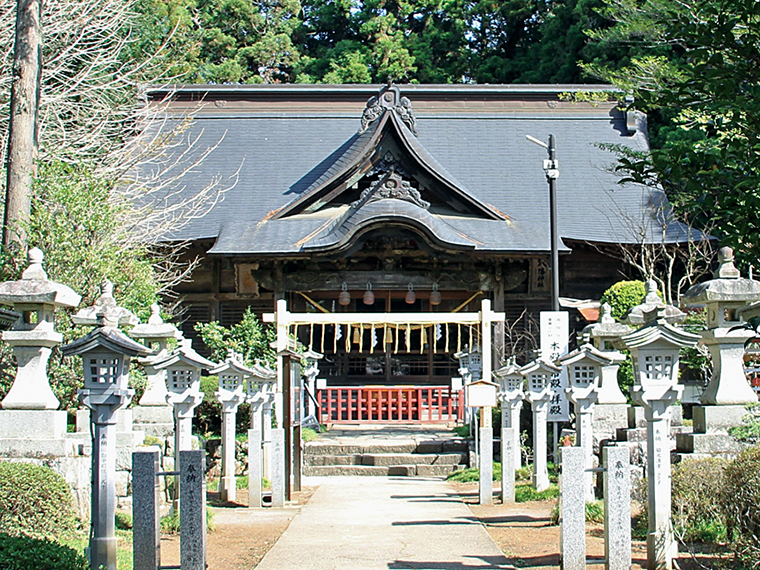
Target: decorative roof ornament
389 98
392 185
653 308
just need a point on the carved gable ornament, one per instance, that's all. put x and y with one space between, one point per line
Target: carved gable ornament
389 98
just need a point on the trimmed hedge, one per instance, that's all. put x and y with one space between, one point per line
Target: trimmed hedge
741 505
26 553
34 501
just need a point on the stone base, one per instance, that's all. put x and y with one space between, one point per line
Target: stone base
608 418
32 424
637 418
712 444
717 419
156 421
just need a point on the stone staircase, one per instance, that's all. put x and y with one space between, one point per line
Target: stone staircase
407 451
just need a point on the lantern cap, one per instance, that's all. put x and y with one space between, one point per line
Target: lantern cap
263 371
108 338
606 327
510 368
660 330
540 364
653 308
155 328
234 362
727 284
34 287
105 305
584 352
184 353
750 311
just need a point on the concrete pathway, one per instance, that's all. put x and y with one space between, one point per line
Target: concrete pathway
374 523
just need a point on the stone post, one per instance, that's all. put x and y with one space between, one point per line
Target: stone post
277 467
254 468
106 354
146 543
511 396
259 388
572 509
654 350
507 464
617 508
192 515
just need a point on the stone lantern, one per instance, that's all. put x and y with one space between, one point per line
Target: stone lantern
471 370
183 373
33 336
539 374
259 389
232 374
584 366
655 353
723 296
511 396
605 336
154 413
106 354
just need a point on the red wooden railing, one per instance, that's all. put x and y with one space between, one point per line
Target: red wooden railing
407 404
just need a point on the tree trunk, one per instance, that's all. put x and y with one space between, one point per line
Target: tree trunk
22 130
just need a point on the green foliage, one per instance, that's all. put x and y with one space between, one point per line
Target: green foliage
34 501
706 155
524 473
462 431
123 520
741 505
208 415
623 296
26 553
249 337
170 523
749 431
80 228
594 513
525 493
696 485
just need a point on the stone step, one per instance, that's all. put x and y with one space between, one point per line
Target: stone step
387 459
423 447
382 470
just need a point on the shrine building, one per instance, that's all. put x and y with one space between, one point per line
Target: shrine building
401 199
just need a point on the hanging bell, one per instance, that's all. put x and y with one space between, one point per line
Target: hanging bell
369 296
344 298
435 295
410 296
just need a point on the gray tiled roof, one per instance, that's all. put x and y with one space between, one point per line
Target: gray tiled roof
281 155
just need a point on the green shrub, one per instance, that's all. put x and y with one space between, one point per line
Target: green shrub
741 505
749 431
27 553
623 296
35 501
524 473
170 523
594 513
309 434
697 515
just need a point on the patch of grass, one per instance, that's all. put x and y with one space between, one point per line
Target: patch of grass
241 482
595 512
80 541
473 474
309 434
170 523
524 473
123 520
462 431
525 493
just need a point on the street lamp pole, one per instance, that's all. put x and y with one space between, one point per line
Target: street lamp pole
551 169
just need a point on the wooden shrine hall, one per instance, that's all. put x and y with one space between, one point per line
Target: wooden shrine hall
400 200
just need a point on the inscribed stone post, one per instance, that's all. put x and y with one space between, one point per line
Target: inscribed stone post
277 467
192 514
254 468
146 544
572 509
507 465
617 508
485 485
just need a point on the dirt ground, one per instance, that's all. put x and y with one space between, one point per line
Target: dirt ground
522 530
